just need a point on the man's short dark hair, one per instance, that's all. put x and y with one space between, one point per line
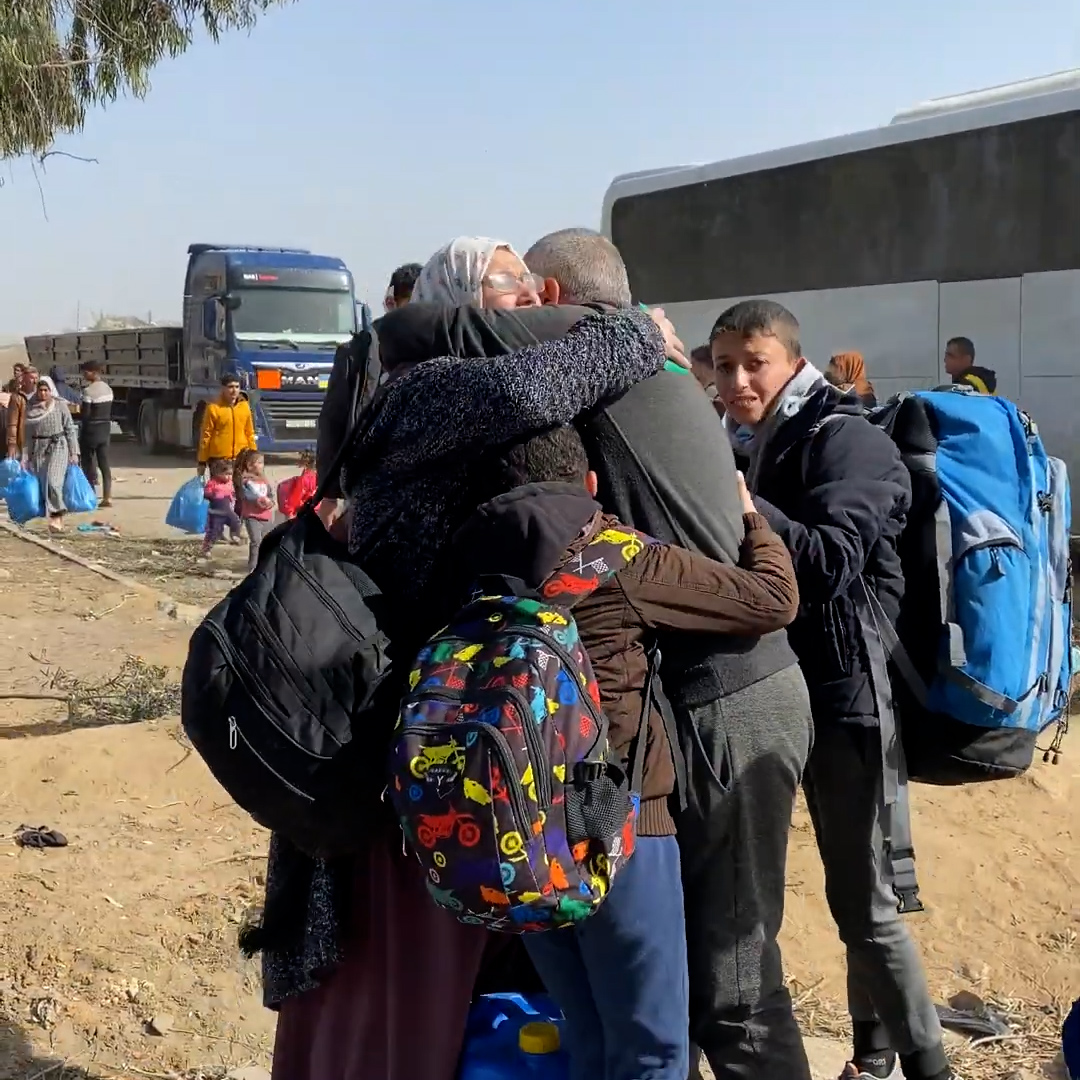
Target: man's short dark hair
554 455
403 280
702 355
91 365
230 378
964 344
750 317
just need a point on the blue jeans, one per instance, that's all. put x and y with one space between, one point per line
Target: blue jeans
620 977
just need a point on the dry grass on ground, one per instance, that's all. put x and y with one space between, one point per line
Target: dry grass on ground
135 922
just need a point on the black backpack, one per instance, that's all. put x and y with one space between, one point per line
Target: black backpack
280 677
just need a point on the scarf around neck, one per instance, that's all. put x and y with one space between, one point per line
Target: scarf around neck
750 440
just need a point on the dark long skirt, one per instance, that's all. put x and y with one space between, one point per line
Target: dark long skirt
395 1008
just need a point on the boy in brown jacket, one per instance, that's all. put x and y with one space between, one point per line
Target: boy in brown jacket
620 977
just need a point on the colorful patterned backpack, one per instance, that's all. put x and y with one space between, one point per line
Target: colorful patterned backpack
501 773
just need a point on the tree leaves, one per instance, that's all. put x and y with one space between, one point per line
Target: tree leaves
59 57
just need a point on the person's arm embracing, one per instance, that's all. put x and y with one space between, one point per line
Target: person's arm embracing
444 408
671 588
855 483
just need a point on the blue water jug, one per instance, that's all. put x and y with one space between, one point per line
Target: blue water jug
514 1037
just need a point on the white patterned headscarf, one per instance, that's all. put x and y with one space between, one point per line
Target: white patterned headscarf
37 409
454 275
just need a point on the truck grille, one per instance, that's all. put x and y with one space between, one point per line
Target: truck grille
292 420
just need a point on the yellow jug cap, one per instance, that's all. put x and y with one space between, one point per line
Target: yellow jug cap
538 1037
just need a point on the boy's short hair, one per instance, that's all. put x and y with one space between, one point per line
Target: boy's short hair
403 280
554 455
964 345
750 317
91 365
230 378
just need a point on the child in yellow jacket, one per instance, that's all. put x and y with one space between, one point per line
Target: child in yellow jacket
227 427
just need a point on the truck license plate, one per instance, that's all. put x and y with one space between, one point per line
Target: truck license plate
301 423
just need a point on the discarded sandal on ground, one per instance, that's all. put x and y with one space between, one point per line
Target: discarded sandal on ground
40 837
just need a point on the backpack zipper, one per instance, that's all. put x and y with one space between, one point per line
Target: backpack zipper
569 663
317 587
518 803
255 689
534 746
235 733
272 645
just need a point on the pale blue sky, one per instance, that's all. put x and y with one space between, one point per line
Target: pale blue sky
376 132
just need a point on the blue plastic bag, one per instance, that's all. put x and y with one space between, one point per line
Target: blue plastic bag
188 510
9 469
25 499
79 496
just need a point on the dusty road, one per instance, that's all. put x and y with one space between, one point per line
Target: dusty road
135 922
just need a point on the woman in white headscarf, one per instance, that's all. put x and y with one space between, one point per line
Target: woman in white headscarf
51 445
478 270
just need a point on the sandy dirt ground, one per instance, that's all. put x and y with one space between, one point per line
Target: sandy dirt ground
132 927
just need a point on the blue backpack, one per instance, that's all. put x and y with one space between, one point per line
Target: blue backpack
983 646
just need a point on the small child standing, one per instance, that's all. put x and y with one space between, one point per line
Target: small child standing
296 490
221 496
254 501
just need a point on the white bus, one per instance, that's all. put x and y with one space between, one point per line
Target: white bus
959 218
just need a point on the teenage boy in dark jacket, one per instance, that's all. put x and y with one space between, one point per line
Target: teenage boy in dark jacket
834 487
621 977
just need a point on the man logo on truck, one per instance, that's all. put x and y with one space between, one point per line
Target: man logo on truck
293 379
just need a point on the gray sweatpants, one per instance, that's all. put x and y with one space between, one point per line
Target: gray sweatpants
886 982
745 755
256 530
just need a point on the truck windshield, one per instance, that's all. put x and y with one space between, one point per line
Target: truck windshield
300 315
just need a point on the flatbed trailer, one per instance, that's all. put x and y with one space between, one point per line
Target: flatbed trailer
271 316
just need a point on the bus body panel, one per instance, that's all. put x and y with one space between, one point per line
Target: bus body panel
960 221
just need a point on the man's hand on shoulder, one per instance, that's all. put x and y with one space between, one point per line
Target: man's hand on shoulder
673 347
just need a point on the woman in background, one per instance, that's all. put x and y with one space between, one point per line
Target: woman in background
847 372
52 444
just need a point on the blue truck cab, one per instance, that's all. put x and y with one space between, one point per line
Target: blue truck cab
274 316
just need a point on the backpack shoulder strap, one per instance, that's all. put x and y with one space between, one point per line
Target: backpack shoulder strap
882 645
808 445
609 551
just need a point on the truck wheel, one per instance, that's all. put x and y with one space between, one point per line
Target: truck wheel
148 427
